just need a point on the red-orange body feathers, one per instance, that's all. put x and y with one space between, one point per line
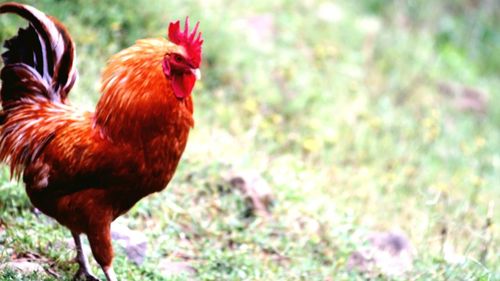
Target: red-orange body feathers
82 168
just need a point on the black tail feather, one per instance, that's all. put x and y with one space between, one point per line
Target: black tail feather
22 81
24 48
39 60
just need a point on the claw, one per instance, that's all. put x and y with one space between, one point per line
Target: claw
81 275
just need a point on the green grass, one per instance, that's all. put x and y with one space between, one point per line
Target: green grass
344 118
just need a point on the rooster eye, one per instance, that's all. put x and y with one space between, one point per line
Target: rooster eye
178 58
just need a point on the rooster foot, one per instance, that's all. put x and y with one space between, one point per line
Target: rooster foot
81 275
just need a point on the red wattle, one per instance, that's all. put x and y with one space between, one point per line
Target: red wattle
183 84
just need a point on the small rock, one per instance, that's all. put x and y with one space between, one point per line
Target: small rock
465 98
134 242
360 262
387 252
256 189
472 100
170 268
22 266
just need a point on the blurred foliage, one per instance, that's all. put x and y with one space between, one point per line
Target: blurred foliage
464 26
362 115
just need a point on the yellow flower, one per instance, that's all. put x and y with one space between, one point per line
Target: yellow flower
251 105
276 118
311 144
440 186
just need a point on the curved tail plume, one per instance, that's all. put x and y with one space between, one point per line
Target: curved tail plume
39 61
37 76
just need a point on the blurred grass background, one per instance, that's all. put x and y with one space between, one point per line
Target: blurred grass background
362 116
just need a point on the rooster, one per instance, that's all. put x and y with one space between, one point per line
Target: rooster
87 168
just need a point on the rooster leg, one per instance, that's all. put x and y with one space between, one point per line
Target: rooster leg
84 270
100 242
110 273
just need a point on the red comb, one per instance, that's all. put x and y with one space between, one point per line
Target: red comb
190 41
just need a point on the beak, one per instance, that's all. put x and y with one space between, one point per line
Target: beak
197 73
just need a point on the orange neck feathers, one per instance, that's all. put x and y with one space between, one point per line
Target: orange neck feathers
137 100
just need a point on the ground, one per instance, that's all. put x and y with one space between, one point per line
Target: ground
362 117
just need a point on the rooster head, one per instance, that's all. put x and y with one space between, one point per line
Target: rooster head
181 66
